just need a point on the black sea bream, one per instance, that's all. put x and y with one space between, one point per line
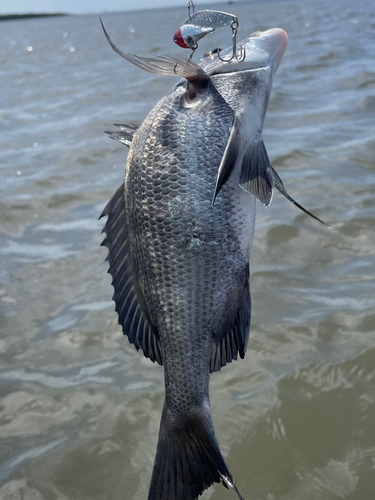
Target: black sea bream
179 233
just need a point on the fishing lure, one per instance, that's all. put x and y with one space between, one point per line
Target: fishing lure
202 23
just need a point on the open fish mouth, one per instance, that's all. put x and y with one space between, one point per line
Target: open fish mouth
262 50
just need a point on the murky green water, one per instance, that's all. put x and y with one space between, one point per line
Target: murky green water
79 408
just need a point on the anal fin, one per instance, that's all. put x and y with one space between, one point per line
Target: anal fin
234 341
132 315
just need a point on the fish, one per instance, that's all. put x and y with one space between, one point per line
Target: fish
179 232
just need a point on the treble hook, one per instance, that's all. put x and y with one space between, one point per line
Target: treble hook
191 6
234 25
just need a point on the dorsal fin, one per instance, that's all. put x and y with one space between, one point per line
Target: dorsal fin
235 340
132 314
163 64
125 133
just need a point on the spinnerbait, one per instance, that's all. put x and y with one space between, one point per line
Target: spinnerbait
202 23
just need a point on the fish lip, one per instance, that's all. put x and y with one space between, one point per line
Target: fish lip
263 49
279 44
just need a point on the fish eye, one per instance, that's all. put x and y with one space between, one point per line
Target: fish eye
195 93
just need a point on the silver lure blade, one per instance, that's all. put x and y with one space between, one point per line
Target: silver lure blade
212 19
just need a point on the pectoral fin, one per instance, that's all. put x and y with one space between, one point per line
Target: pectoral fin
256 172
234 340
279 185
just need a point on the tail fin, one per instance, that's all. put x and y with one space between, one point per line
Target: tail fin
188 458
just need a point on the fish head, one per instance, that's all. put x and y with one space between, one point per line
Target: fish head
262 50
246 83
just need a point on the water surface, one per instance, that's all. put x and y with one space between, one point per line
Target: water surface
79 408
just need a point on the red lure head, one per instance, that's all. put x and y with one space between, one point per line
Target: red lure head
178 38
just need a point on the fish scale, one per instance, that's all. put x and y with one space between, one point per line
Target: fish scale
180 242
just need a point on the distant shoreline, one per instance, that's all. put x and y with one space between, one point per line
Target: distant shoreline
10 17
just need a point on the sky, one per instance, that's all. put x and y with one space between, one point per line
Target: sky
84 6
